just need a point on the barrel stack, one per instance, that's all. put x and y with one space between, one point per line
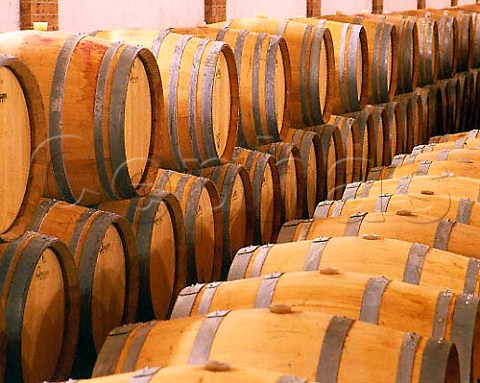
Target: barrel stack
256 200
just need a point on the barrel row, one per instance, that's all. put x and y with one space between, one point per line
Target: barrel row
123 263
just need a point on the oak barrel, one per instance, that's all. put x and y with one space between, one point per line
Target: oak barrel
468 135
382 42
473 144
290 167
462 167
394 125
312 65
369 254
408 52
350 92
464 210
309 145
104 141
236 202
465 34
40 290
438 155
410 117
427 311
334 159
447 37
200 201
267 205
443 234
466 101
352 145
474 100
313 345
447 105
24 155
372 120
473 10
448 185
158 225
264 76
201 100
429 97
366 127
105 252
429 50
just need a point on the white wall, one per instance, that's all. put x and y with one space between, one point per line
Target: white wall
330 7
438 3
9 15
269 8
396 6
463 2
91 15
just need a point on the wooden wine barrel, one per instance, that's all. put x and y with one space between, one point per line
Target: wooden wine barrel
410 116
24 155
312 65
203 219
201 100
470 135
475 39
473 144
428 98
441 123
408 52
439 155
377 117
463 210
429 50
454 186
392 132
350 88
448 33
466 94
382 42
370 255
367 130
158 225
334 159
472 11
108 135
317 342
454 106
309 145
427 311
446 106
236 202
264 76
395 128
265 177
39 288
464 35
474 100
212 371
103 245
290 167
443 234
461 167
352 145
